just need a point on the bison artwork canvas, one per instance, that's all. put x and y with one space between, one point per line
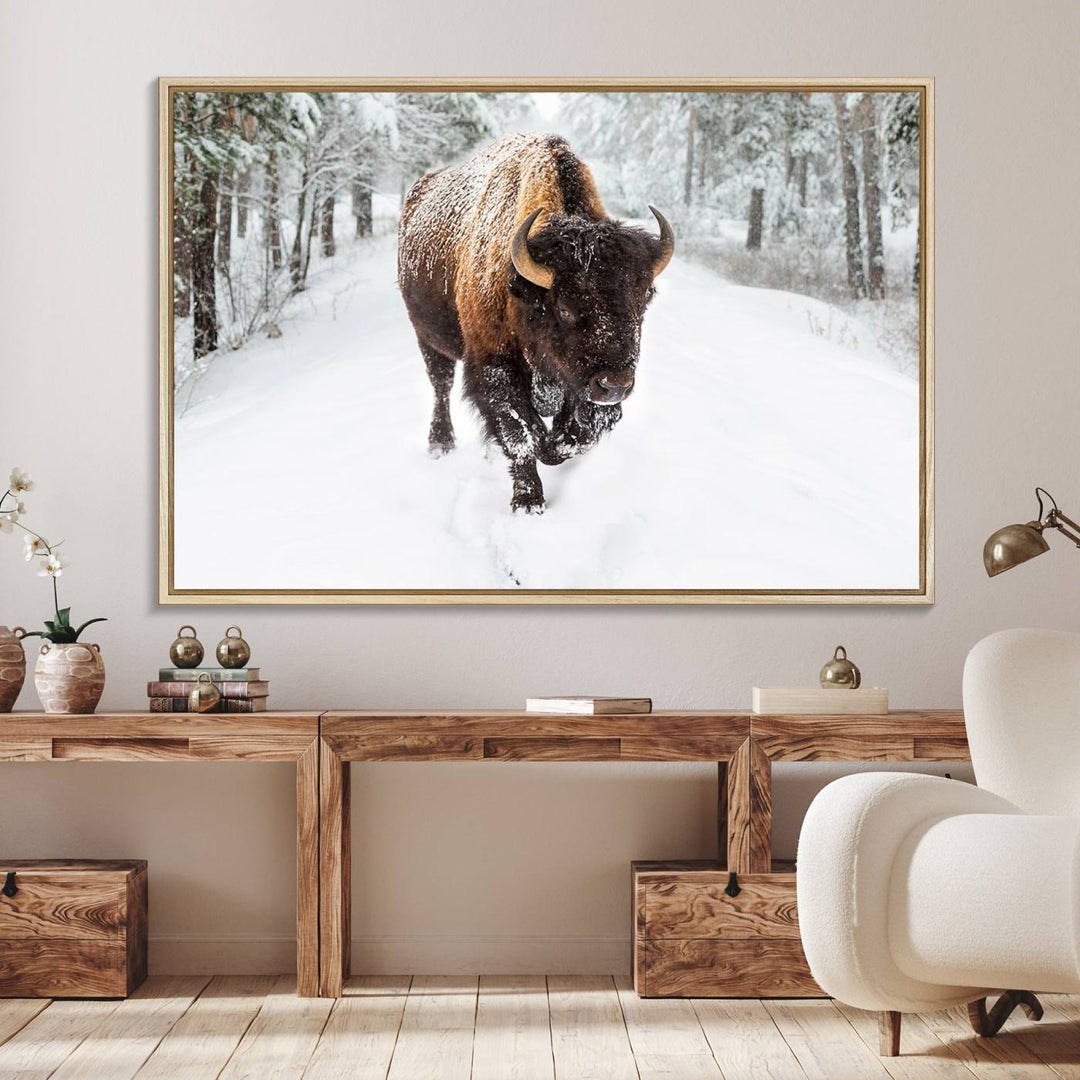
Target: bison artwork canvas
546 324
491 343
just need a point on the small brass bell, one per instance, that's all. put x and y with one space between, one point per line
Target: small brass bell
840 673
186 651
233 652
204 695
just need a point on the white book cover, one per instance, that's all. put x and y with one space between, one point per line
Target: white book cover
588 706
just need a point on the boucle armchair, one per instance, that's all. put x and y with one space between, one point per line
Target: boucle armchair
919 893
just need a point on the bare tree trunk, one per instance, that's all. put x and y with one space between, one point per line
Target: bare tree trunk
243 186
791 125
916 277
312 223
225 215
802 159
182 249
327 234
272 225
757 219
296 255
852 236
703 154
688 186
361 199
183 181
871 166
204 292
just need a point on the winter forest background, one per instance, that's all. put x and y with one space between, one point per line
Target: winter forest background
796 272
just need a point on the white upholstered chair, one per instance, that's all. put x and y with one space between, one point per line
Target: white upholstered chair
919 893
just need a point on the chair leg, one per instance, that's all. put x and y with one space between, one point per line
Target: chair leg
889 1033
988 1024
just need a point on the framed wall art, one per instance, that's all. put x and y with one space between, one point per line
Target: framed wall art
546 341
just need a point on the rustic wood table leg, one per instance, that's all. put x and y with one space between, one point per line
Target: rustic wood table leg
722 813
307 872
749 810
334 872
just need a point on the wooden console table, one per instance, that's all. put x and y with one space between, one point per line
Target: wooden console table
137 736
322 745
743 745
908 735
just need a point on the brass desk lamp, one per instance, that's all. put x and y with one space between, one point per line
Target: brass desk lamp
1014 544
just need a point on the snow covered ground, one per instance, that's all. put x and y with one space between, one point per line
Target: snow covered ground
763 448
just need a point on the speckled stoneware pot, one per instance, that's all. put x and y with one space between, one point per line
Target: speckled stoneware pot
12 666
69 678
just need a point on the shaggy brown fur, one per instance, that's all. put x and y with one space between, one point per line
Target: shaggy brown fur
528 351
456 225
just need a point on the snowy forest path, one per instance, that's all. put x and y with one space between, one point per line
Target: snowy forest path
766 446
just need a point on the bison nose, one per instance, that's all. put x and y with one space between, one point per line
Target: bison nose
610 387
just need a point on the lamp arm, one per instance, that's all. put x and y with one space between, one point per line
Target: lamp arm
1055 519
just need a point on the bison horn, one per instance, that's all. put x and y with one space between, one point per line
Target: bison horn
667 243
523 262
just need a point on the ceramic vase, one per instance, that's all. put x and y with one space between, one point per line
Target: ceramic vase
12 667
69 678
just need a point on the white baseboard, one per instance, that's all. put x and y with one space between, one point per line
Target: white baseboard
430 954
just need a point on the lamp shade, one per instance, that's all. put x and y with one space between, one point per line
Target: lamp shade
1012 545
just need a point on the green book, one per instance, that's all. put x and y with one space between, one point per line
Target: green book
217 674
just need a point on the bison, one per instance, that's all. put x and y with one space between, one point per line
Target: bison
510 264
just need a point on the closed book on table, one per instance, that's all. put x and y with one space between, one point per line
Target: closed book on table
165 688
235 705
231 705
224 674
588 706
821 701
168 704
72 928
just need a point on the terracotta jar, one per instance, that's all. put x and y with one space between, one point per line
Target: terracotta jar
69 678
12 666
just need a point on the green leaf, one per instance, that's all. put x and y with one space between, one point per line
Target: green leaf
35 633
63 616
50 625
86 624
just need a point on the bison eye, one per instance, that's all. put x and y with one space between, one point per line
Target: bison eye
565 313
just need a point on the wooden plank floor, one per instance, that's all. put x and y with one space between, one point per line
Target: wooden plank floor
525 1027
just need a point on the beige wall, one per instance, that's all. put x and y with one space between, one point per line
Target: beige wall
494 867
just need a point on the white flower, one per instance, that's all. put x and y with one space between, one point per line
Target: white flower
34 545
20 507
6 523
20 481
53 566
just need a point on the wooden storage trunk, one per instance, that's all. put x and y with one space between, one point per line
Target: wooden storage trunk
691 939
72 928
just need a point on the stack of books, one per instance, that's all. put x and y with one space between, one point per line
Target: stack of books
241 689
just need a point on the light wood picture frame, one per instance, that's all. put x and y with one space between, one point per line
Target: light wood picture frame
815 486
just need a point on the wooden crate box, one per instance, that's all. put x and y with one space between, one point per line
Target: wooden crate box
691 939
72 928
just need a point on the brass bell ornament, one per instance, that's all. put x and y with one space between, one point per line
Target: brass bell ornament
840 673
186 651
204 695
233 652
